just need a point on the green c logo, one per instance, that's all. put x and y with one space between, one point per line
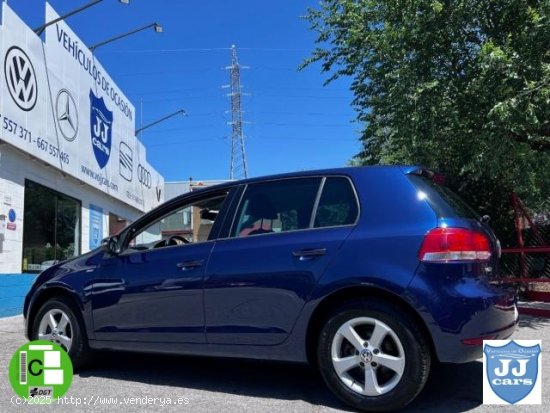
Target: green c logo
40 369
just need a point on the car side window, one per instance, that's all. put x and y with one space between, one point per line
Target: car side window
188 224
276 206
337 205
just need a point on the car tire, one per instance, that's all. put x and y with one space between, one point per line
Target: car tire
67 331
372 356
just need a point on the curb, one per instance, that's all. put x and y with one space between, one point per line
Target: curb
537 309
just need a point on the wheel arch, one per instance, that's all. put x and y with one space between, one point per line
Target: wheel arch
47 294
338 297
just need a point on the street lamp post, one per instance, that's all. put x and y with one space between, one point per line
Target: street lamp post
178 112
157 27
40 29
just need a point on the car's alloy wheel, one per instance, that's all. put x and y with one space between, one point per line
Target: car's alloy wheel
373 356
58 321
369 367
55 326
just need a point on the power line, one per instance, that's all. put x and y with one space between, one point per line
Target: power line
165 72
183 97
169 91
206 49
321 125
272 139
181 50
331 114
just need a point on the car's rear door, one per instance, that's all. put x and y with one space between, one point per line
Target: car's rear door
284 234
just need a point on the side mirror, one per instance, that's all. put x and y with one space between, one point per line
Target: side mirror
110 244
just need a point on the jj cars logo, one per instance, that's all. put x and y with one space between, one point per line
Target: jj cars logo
144 176
101 127
20 78
66 115
512 372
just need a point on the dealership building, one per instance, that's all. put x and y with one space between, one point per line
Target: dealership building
71 168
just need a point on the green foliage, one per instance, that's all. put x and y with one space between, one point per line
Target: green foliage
461 86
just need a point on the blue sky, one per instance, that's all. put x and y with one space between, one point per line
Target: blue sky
295 122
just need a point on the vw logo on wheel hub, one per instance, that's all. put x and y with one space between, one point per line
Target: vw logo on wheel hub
366 356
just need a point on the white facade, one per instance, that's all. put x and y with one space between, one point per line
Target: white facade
67 144
15 168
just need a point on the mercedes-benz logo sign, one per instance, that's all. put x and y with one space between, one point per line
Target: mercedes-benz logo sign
20 78
66 115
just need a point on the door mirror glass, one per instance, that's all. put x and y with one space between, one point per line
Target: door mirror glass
110 245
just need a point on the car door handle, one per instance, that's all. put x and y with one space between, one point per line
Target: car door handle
187 265
309 253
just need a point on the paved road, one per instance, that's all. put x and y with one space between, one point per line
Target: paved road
219 385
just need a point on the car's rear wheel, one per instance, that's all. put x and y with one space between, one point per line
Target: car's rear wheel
57 321
373 356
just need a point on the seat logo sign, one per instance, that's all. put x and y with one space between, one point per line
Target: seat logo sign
40 370
66 115
101 128
20 78
512 372
126 161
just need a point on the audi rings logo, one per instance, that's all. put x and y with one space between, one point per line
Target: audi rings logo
20 78
144 176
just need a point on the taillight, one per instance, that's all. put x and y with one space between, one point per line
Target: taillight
454 244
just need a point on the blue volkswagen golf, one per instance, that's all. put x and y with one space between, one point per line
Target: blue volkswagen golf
370 274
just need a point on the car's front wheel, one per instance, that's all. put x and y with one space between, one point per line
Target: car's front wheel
57 321
373 356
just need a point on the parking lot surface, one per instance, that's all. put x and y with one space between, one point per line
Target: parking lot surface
141 382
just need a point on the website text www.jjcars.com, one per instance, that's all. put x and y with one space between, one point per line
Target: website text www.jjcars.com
95 400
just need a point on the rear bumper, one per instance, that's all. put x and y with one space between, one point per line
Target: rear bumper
491 323
464 312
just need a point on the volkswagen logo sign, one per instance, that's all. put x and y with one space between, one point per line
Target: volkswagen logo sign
66 115
20 78
144 176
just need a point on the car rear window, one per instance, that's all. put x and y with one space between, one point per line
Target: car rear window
445 202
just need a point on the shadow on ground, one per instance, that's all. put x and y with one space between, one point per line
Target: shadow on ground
451 388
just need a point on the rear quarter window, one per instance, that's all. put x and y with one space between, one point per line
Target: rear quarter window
445 202
337 205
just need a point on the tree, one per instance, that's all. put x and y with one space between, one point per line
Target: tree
461 86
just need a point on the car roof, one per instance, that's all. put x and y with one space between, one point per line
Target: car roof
349 170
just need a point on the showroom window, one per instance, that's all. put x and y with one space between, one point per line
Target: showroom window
51 227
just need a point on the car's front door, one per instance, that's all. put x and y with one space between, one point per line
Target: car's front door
153 290
284 235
